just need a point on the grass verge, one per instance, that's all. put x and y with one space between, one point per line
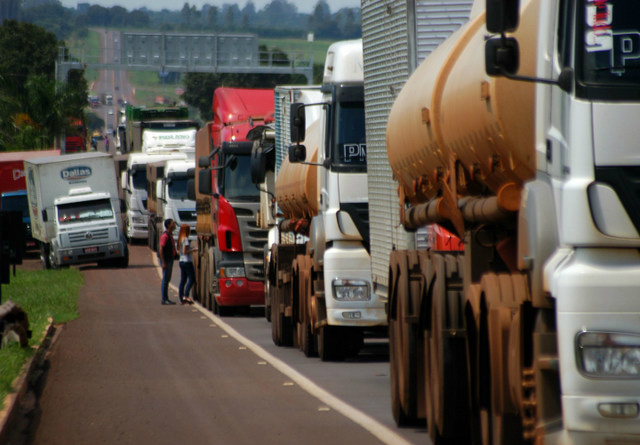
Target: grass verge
41 294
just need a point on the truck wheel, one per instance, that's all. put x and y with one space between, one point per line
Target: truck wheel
447 393
402 345
502 298
52 258
123 262
44 255
329 344
306 339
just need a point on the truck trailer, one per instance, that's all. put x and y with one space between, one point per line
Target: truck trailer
517 134
229 265
74 210
161 120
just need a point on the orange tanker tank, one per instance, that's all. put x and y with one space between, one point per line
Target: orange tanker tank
456 131
297 184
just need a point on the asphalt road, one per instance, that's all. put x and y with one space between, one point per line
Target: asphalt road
131 370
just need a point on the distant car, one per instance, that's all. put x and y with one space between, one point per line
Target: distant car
110 112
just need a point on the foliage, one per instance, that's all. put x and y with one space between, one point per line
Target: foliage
33 109
41 294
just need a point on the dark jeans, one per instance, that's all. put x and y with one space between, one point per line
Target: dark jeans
166 279
188 277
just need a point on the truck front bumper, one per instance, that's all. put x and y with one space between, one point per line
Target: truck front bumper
347 264
137 226
597 296
240 292
90 254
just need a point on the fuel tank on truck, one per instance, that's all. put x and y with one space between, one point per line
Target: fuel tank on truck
451 113
297 184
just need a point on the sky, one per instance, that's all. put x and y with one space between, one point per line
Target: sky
305 6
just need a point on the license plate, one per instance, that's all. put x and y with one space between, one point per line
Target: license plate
90 250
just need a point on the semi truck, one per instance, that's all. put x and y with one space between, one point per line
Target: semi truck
517 133
163 122
270 148
74 210
229 265
133 183
167 198
319 269
13 186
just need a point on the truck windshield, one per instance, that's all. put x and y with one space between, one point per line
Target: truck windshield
178 187
237 180
350 148
16 203
76 212
608 46
140 179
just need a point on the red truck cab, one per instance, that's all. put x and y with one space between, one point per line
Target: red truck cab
237 244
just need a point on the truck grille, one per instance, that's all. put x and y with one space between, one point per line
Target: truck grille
92 236
253 239
187 215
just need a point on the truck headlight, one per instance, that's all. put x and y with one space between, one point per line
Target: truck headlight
350 290
232 272
608 355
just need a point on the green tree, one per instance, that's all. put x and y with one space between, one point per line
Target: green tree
212 18
33 109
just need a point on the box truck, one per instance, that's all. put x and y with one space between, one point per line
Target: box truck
74 210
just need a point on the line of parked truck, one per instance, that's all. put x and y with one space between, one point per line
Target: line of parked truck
463 179
477 204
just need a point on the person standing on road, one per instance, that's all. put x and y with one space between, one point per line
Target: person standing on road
167 254
187 272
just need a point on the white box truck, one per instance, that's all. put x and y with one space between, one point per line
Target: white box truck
74 209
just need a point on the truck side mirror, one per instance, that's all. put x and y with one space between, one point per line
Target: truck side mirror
123 180
44 216
191 173
159 190
258 165
204 161
297 153
298 122
501 56
204 182
191 189
502 15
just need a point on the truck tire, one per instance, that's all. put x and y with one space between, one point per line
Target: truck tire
402 345
502 299
306 339
44 255
329 344
52 259
446 389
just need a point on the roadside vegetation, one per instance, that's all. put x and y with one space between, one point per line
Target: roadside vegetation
41 294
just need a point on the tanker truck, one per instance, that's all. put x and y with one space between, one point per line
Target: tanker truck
319 271
518 133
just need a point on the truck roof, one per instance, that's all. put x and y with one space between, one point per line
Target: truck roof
71 157
22 155
344 63
232 105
